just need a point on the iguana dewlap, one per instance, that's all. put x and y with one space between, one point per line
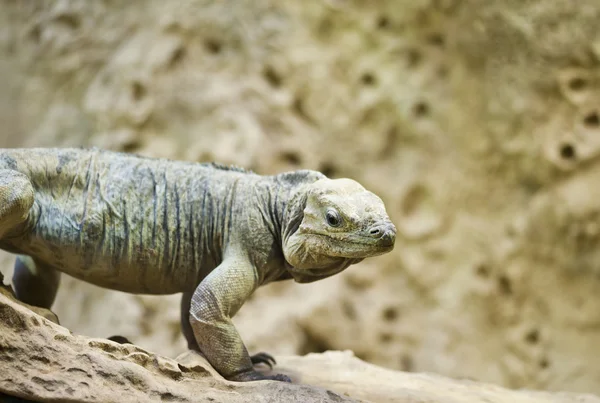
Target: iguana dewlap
157 226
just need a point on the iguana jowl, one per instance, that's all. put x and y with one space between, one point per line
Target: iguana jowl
157 226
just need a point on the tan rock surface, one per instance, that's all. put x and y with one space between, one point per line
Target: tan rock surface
42 361
477 121
349 376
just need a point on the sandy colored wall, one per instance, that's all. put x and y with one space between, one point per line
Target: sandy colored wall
478 123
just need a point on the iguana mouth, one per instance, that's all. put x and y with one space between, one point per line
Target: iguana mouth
368 241
364 248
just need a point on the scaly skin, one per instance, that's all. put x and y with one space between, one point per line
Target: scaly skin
156 226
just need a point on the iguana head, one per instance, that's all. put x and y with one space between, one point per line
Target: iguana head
331 224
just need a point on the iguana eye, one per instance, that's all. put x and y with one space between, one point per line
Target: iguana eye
333 218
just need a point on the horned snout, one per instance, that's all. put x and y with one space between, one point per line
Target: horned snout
385 233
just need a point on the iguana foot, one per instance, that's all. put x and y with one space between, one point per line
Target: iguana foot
253 375
120 339
263 358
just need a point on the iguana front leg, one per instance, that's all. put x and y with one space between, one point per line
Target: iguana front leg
188 333
218 297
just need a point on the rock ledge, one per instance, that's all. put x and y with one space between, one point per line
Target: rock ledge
42 361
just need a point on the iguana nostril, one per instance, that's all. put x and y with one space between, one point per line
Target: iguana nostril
379 230
375 231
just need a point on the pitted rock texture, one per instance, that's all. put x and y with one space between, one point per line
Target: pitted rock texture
42 361
477 122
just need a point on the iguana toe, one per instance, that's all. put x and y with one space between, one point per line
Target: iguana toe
120 339
263 358
280 377
253 375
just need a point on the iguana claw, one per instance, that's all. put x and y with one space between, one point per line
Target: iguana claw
263 358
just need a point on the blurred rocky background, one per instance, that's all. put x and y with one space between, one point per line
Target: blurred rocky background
478 123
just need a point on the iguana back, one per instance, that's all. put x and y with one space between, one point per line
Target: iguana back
125 222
